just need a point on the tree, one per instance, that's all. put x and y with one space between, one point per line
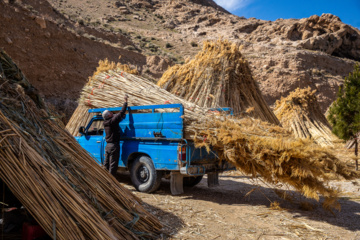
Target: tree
344 114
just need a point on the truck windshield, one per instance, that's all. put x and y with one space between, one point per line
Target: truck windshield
96 127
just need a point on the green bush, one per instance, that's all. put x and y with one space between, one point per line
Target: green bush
344 113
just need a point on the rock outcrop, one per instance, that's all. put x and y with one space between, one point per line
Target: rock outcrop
325 34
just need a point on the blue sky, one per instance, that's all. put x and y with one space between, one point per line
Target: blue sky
347 10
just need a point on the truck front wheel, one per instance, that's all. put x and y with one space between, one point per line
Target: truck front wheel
144 176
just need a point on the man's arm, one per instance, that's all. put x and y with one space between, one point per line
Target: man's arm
121 115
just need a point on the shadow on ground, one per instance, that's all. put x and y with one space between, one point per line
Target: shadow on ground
233 191
171 223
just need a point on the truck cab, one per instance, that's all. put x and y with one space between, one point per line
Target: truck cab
152 146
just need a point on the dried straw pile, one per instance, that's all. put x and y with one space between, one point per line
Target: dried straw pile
81 116
301 113
218 76
54 178
255 147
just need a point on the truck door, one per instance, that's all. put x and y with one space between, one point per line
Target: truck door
93 139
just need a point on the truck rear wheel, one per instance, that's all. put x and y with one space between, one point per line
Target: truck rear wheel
191 181
144 176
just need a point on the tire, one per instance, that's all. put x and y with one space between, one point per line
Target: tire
191 181
144 176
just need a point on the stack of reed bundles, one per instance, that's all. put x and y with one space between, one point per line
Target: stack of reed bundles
253 146
218 76
56 180
300 112
81 115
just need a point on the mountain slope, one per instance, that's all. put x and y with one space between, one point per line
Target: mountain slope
283 55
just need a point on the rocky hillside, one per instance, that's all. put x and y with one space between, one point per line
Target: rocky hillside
58 43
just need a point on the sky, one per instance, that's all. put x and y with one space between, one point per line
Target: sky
347 10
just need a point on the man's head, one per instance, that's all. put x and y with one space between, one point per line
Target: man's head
107 114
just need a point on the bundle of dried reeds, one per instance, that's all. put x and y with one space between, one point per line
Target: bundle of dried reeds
218 76
81 116
300 112
59 183
253 146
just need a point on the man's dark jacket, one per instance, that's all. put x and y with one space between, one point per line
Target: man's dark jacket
112 128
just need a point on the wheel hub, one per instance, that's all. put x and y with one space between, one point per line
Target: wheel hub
143 174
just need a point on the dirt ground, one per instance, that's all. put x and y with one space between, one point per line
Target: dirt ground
245 208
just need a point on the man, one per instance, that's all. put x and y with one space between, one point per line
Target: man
112 131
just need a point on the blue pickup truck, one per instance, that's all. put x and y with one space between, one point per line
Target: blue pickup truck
153 147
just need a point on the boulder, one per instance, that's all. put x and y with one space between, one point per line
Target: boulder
41 21
324 33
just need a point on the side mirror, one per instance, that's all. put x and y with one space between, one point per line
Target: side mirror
82 130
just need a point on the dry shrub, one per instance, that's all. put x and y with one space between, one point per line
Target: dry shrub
105 65
275 206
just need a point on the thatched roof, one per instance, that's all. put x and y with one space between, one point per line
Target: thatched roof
56 180
253 146
300 112
218 76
